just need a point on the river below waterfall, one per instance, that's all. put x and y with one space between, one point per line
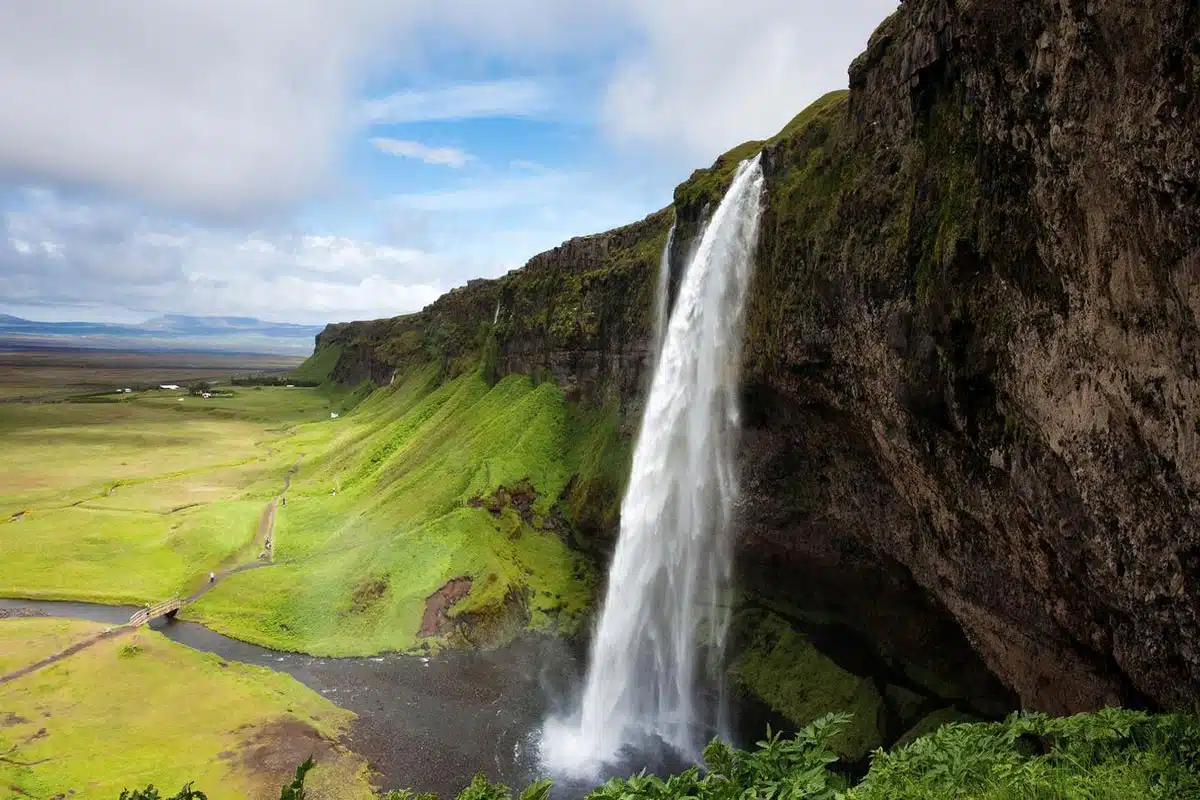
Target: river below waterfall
426 723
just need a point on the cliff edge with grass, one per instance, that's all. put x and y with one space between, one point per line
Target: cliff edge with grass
972 396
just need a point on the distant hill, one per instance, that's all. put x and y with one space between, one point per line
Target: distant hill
166 332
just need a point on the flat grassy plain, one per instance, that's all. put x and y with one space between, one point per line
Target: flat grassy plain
55 373
132 501
124 713
134 498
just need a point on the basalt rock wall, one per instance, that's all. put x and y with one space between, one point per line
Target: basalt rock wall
972 379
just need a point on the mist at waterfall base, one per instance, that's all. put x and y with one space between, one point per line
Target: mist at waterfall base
653 686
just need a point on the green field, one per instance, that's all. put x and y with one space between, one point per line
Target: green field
125 712
135 498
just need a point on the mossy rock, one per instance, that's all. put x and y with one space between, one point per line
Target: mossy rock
905 702
936 683
782 668
931 722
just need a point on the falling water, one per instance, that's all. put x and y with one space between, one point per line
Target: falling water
661 300
672 562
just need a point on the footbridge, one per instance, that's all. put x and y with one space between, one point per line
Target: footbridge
167 608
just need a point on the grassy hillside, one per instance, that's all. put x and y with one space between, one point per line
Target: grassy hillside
319 366
134 500
423 484
123 713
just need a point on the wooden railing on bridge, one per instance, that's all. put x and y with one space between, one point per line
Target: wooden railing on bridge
163 609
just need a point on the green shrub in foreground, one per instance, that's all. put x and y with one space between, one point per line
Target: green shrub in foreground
1114 754
151 793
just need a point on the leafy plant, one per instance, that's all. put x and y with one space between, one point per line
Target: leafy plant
295 789
151 793
409 794
780 769
1113 754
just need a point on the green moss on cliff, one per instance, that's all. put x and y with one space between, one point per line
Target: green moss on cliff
819 109
783 669
603 452
318 367
592 295
949 198
815 175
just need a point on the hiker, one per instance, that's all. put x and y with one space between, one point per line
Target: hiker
212 576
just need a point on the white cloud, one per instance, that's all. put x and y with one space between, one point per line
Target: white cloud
507 98
487 227
236 107
234 110
723 73
221 107
446 156
115 257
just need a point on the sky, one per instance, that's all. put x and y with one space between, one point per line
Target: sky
324 160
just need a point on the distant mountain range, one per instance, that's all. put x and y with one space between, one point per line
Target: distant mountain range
167 332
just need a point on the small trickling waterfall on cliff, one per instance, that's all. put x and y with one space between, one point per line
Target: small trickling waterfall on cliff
663 613
661 298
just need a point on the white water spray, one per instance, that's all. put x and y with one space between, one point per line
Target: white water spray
671 568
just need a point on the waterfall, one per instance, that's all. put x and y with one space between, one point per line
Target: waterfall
671 569
661 298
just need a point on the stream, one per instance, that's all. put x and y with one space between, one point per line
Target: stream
426 723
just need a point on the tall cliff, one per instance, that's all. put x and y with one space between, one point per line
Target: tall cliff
972 387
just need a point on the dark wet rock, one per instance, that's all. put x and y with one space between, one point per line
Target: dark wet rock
435 620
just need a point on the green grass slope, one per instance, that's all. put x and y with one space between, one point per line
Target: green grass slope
410 491
319 366
126 712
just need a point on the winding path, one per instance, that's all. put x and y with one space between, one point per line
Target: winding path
266 527
109 633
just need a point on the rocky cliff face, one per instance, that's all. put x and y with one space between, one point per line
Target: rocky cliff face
975 336
579 314
972 386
